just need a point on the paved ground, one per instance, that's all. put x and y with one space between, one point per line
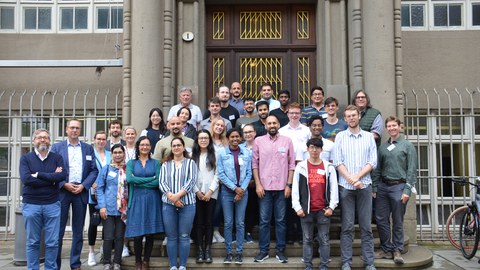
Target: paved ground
444 257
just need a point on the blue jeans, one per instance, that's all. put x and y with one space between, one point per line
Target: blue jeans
178 225
272 201
229 208
38 217
79 210
309 222
389 203
360 199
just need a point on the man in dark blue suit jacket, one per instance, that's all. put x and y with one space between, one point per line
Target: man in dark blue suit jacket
79 159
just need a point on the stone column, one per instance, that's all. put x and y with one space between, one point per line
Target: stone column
127 63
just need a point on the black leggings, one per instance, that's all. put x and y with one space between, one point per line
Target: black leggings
203 222
92 230
138 247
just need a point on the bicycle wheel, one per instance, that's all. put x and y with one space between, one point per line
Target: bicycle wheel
469 234
453 225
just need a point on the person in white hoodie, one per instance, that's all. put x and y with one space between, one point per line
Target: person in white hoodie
314 198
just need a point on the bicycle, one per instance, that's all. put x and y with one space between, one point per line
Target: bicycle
469 227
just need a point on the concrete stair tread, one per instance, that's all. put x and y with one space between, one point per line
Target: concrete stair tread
416 257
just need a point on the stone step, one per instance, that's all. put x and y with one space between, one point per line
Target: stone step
417 257
251 250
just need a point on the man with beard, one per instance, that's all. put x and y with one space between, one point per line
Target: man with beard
163 147
267 95
262 110
41 171
79 159
316 127
250 115
236 98
355 157
281 113
273 163
317 107
227 111
370 118
115 130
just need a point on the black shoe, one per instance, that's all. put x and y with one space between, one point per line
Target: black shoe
239 258
228 259
290 242
262 256
281 257
200 255
207 255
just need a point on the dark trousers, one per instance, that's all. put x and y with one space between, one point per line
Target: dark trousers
92 230
138 247
251 214
294 226
204 222
114 229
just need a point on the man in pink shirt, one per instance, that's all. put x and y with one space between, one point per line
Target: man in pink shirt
273 163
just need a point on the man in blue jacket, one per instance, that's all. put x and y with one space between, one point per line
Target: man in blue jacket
79 159
41 171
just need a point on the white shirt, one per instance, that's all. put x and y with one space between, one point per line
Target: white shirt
299 136
197 116
327 150
75 161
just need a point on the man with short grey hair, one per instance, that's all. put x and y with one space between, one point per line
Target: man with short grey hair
185 96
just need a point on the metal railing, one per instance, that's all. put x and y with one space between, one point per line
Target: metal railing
21 112
444 125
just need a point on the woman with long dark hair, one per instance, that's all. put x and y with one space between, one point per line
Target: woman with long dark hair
206 189
178 178
144 202
156 128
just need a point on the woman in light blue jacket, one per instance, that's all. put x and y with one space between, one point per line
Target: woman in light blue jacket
112 198
234 166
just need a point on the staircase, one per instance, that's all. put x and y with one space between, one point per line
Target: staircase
415 257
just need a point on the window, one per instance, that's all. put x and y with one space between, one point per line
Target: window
413 15
37 18
447 14
110 18
7 18
74 18
476 14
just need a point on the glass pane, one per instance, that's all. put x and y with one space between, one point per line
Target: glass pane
7 18
417 15
3 216
67 18
455 15
102 18
117 18
30 124
44 18
405 15
475 14
30 18
81 18
440 15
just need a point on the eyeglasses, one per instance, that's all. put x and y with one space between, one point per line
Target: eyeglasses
117 153
361 97
144 145
74 128
294 113
42 138
248 132
203 138
177 145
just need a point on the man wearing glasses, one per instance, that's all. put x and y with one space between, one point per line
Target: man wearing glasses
317 108
79 159
370 119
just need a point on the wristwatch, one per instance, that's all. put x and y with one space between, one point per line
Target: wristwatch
289 185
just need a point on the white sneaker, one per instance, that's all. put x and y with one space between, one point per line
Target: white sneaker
218 236
165 241
125 252
214 240
191 240
91 259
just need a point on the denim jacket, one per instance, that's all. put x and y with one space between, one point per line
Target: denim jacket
107 186
226 168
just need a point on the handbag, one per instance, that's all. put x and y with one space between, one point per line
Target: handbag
95 219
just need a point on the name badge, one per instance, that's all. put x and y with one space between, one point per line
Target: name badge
281 149
188 149
391 147
88 157
240 161
112 173
231 117
324 116
321 172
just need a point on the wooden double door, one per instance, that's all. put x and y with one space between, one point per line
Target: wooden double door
257 44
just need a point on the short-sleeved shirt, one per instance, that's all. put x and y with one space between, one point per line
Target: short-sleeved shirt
310 111
330 131
194 109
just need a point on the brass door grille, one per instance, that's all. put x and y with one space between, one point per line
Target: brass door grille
303 80
303 25
218 73
255 71
218 25
261 25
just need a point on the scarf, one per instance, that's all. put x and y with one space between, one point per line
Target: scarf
122 191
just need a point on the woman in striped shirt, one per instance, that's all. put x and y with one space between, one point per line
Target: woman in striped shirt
178 177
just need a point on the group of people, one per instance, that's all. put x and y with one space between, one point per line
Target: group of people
269 158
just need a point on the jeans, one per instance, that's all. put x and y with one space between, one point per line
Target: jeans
272 201
178 225
309 221
218 212
114 229
252 209
79 210
388 202
294 226
38 217
229 209
362 198
203 222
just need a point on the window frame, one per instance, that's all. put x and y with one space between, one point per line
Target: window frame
37 30
109 6
432 5
74 29
425 16
15 18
